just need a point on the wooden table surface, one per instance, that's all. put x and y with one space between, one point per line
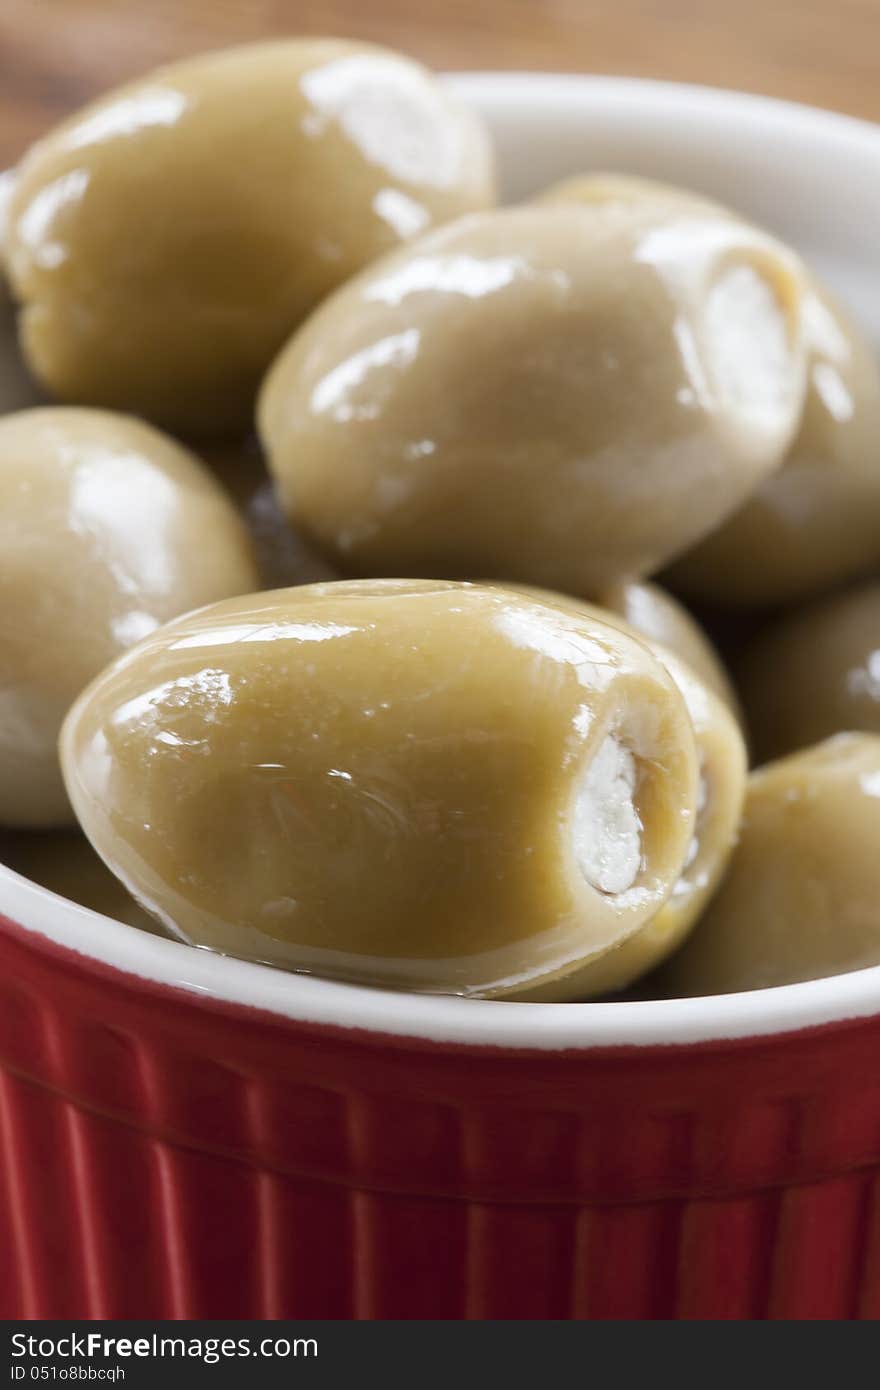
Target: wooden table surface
56 53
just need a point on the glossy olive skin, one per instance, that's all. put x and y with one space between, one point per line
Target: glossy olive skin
167 239
799 900
816 521
814 673
107 529
723 765
381 781
64 862
657 615
284 557
541 393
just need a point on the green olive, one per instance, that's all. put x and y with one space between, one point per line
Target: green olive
107 529
165 241
799 900
560 395
414 784
814 673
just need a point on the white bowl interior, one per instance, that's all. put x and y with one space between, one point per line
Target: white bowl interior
810 176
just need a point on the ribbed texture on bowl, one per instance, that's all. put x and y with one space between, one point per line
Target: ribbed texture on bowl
164 1155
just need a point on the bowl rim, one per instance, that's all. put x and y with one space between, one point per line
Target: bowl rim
26 908
483 85
30 910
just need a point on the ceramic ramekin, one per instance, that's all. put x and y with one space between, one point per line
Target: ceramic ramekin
184 1135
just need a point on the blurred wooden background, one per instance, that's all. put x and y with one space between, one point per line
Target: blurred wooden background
56 53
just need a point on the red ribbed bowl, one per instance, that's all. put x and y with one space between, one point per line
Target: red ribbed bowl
342 1153
185 1135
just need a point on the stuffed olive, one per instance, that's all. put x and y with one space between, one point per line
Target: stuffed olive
166 240
405 783
560 395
